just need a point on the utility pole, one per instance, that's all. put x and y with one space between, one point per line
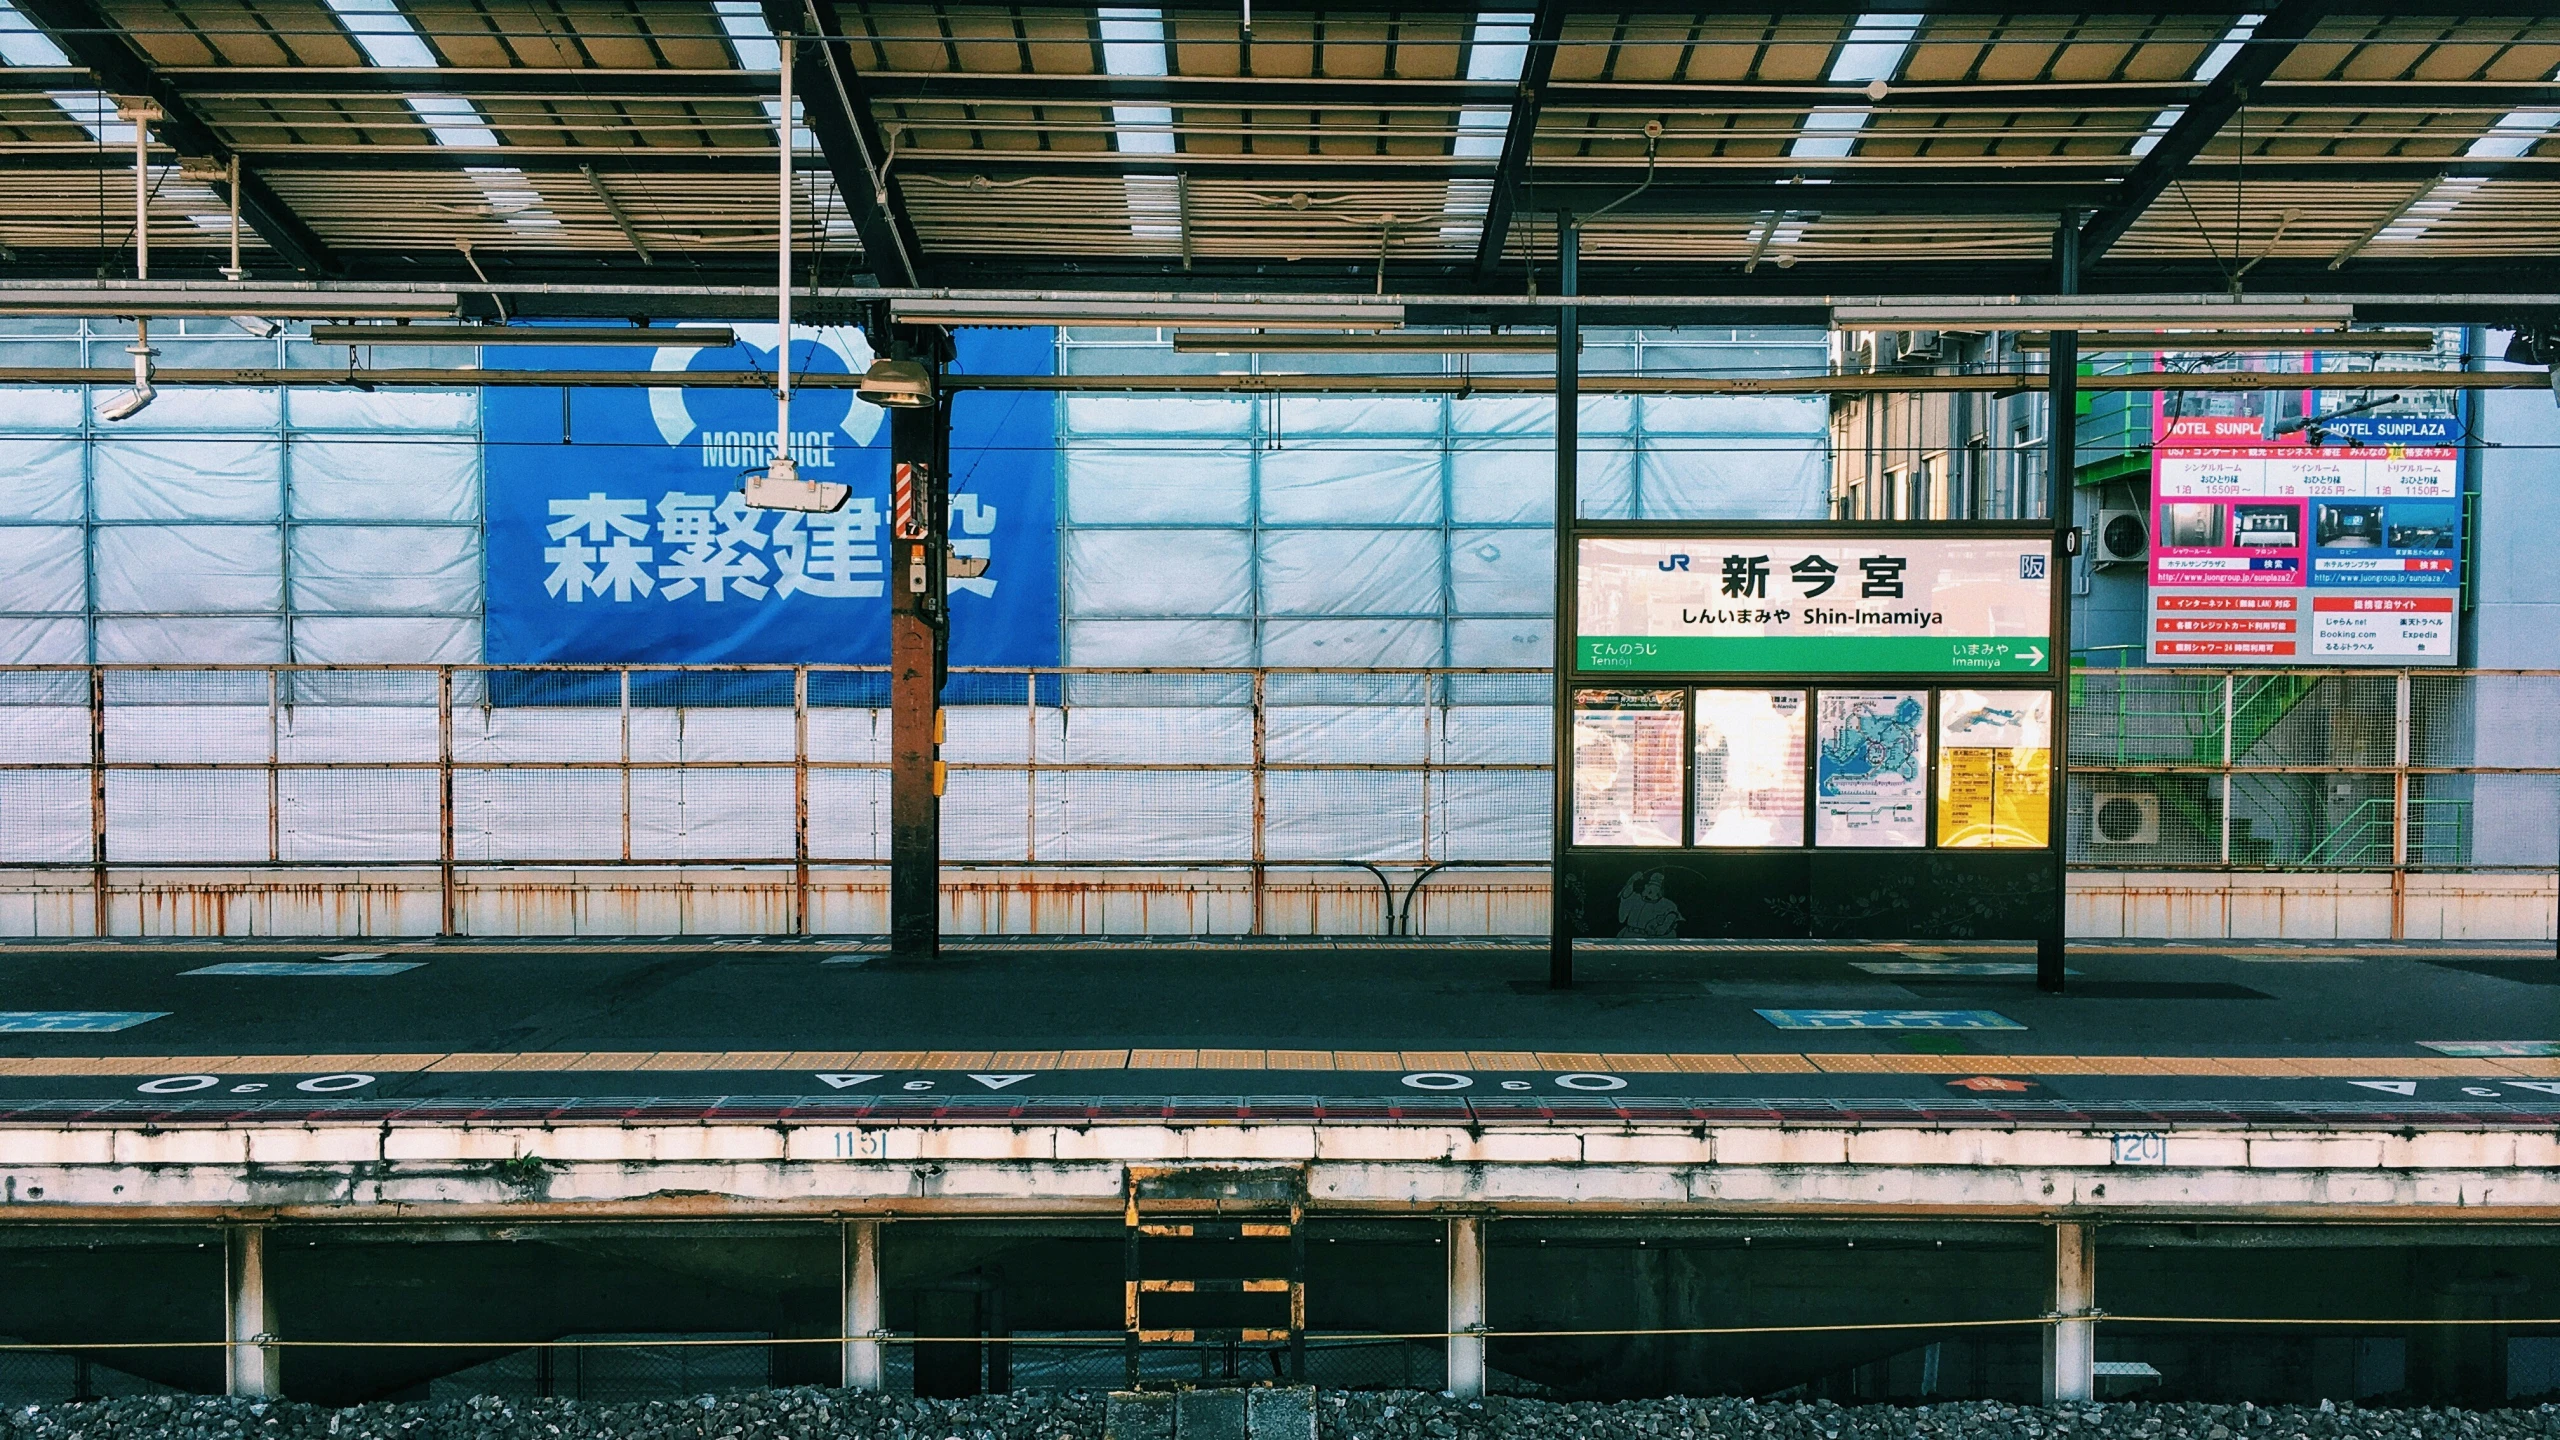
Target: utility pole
1568 506
919 632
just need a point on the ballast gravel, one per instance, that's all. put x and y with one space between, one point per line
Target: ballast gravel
810 1414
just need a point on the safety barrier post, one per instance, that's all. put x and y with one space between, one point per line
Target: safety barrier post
2071 1341
2400 717
1467 1312
800 800
1261 871
862 1312
255 1367
444 800
98 902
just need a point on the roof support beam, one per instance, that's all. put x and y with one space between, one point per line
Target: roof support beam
838 111
99 46
1520 137
2266 48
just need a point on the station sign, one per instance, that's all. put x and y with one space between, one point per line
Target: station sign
2279 552
1814 606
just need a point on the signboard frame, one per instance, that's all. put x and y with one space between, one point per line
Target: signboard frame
1809 890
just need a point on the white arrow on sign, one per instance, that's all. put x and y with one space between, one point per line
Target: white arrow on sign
2547 1087
998 1082
2033 655
846 1082
2396 1087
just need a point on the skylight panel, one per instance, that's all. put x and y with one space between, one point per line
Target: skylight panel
1873 53
1497 51
1133 44
2215 61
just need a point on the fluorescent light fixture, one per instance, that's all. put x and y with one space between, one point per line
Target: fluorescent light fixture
154 299
1393 342
897 384
2094 314
1239 314
699 337
2185 341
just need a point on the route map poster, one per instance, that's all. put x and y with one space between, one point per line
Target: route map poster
1995 768
1899 605
2279 552
1626 767
1748 768
1870 785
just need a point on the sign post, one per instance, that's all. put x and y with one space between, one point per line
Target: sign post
1836 730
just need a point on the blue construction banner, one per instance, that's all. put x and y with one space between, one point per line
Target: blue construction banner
617 531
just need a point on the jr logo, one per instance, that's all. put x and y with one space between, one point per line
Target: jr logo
1676 562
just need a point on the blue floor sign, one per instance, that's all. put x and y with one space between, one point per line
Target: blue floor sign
1889 1020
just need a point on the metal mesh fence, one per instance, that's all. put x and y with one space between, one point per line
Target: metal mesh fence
777 765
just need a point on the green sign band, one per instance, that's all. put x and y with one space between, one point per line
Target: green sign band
1819 654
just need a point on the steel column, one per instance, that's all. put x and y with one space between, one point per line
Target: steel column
1467 1312
1568 506
255 1367
864 1320
2071 1341
918 621
2062 426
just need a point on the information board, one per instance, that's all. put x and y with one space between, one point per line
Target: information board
1626 767
1911 605
2278 552
1748 768
1870 768
1995 768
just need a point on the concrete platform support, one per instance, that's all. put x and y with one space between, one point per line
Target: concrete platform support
1466 1306
256 1366
863 1318
2071 1343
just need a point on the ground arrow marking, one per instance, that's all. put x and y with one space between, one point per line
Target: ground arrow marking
845 1082
998 1082
2396 1087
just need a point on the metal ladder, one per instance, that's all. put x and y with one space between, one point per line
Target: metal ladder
1174 1210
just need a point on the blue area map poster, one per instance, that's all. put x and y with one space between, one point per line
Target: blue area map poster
617 532
1868 788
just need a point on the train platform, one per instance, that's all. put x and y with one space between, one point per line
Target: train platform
274 1030
1021 1075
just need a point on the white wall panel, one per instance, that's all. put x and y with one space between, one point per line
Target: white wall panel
1351 642
387 639
1509 641
342 478
190 569
229 410
35 408
39 476
43 567
1160 482
1492 572
1158 414
216 478
1768 478
1335 484
1159 572
385 409
364 569
1350 572
1159 642
191 640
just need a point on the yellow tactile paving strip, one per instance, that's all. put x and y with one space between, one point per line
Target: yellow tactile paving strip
2282 1067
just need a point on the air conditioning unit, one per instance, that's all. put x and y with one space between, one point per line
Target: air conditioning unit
2123 538
2124 817
1920 345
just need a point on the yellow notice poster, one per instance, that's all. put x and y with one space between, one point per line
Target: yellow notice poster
1995 769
